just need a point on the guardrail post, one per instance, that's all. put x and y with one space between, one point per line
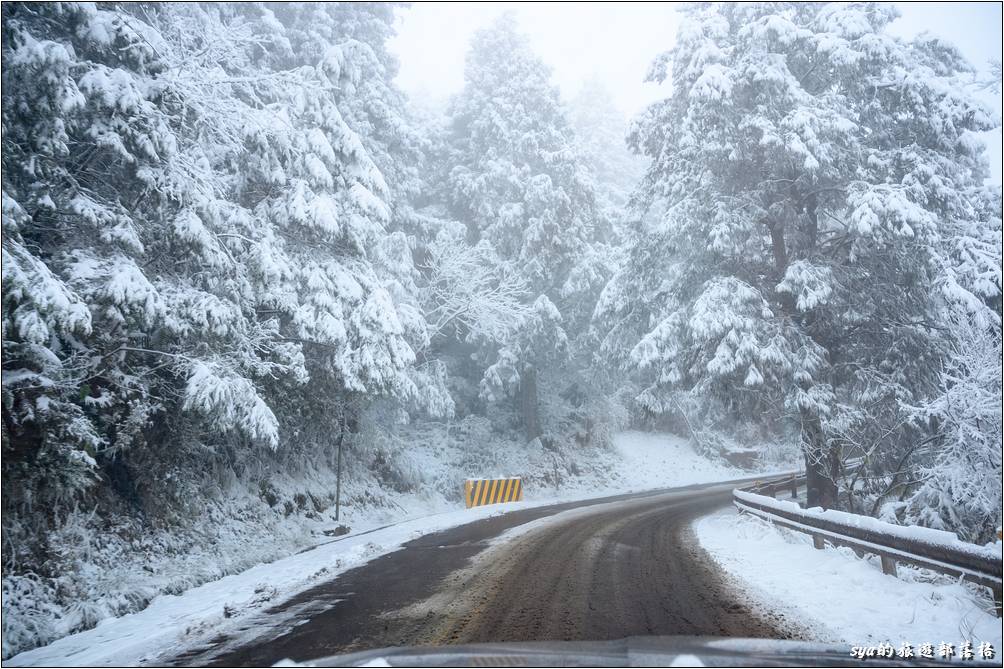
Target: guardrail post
771 490
794 487
998 597
888 565
817 541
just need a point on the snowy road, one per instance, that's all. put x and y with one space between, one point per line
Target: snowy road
599 569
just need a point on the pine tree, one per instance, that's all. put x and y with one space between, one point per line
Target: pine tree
204 265
811 167
111 204
601 130
517 183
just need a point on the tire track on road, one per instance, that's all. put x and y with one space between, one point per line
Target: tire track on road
607 570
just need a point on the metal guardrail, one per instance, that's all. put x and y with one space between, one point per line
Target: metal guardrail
772 488
972 565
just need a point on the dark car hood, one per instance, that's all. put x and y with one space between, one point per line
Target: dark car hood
650 651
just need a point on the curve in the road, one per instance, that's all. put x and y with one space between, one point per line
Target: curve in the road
609 569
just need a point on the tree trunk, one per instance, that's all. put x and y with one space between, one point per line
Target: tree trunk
349 423
528 402
778 246
813 232
821 465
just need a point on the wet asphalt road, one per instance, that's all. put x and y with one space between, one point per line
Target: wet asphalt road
606 569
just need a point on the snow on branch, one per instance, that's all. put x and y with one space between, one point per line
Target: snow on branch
471 289
232 402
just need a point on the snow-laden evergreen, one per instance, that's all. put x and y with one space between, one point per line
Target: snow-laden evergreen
601 132
193 227
820 200
516 180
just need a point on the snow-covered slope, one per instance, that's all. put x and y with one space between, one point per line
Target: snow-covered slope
646 460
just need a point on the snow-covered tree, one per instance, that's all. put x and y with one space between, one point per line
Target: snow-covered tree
206 259
232 215
517 182
468 292
960 487
601 132
812 167
109 205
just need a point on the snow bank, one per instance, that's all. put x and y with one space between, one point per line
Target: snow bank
173 621
925 535
839 597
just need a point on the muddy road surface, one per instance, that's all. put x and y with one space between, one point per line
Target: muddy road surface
593 570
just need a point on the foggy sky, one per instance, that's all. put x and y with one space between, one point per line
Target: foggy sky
615 42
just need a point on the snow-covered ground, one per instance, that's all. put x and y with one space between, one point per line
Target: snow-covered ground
170 622
648 461
638 462
839 597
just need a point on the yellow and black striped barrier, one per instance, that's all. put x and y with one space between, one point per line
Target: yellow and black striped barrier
478 492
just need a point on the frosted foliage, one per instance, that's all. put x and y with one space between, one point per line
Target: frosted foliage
815 197
961 489
469 290
46 306
784 214
232 402
540 339
811 286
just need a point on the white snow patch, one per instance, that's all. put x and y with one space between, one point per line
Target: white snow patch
649 461
838 596
158 631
